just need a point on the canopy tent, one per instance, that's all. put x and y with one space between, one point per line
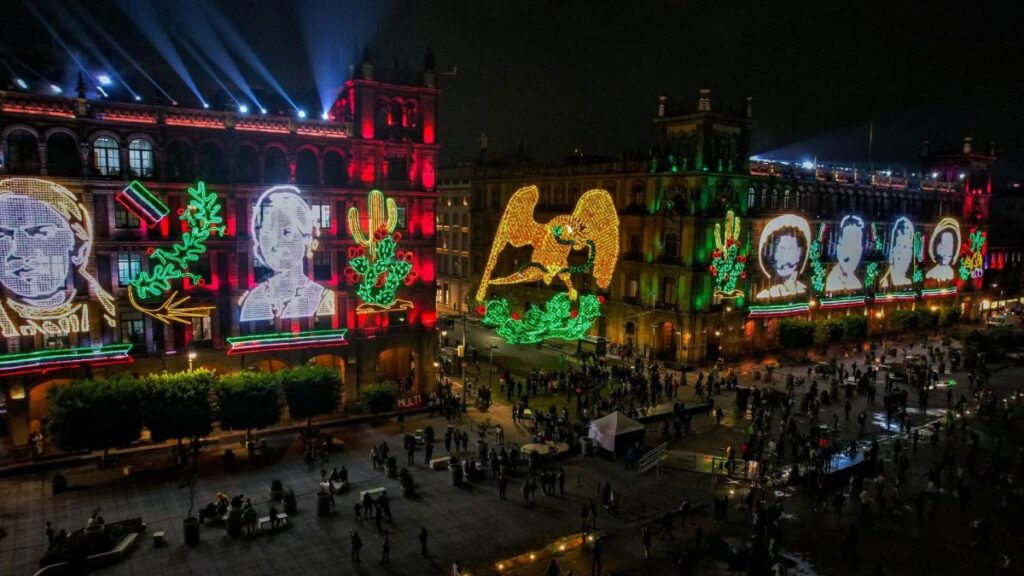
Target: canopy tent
615 432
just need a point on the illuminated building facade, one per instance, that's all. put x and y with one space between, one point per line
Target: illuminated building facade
716 248
453 246
272 278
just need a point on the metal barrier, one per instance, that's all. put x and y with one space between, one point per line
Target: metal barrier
652 459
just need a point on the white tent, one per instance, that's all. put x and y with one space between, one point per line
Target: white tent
605 431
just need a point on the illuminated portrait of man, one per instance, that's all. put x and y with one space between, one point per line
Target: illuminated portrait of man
284 235
943 248
783 251
45 239
849 251
901 256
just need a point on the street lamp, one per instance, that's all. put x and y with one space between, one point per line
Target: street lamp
437 376
191 358
490 362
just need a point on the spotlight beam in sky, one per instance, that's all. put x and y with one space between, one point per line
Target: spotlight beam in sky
242 49
145 17
194 26
202 62
46 24
88 19
85 40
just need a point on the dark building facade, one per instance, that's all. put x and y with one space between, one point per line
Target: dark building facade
668 298
284 186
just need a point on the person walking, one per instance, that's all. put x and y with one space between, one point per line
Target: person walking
553 569
502 484
561 482
428 453
385 549
595 554
645 536
357 545
423 542
456 568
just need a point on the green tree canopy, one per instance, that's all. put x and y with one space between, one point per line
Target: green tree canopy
377 398
248 400
177 405
94 414
311 390
794 333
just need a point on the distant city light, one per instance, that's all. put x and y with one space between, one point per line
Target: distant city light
104 80
326 115
808 165
21 83
243 108
263 110
935 175
138 98
101 91
206 105
56 89
302 113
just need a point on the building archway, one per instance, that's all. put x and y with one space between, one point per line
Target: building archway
397 363
38 407
335 362
664 341
270 365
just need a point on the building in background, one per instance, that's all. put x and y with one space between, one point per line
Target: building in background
285 186
811 242
453 244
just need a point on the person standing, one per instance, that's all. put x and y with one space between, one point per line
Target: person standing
646 539
428 452
456 568
561 482
357 545
502 484
385 549
595 553
423 542
553 569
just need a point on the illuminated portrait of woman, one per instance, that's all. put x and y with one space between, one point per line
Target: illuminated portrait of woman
901 256
944 248
45 239
284 236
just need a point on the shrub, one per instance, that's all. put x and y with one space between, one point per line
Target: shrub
855 327
177 405
795 333
94 414
828 331
248 400
380 397
311 391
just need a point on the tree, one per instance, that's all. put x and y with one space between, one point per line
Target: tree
177 405
378 398
795 333
248 400
311 391
828 331
95 414
855 327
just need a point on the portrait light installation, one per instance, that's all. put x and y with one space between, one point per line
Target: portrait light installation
203 217
46 238
592 226
284 232
783 253
943 249
728 264
849 252
376 263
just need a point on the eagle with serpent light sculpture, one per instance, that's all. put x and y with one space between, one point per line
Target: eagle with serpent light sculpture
592 226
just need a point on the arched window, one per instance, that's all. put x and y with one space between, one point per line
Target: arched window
180 162
381 120
140 158
411 114
211 163
306 169
247 165
396 117
335 171
275 166
106 157
671 245
62 155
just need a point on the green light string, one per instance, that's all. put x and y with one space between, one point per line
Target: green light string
203 218
556 319
380 278
968 262
727 268
556 231
817 268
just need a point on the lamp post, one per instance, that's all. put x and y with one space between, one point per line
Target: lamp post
191 358
437 377
490 362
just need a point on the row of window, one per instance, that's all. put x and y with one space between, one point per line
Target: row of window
817 200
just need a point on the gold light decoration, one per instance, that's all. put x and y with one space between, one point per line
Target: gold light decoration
593 225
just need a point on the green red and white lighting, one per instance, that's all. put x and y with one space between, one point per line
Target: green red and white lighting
44 361
286 341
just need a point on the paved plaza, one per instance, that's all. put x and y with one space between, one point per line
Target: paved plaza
472 525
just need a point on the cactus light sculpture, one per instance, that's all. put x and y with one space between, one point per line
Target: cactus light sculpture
375 263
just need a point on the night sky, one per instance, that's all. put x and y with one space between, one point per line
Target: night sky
585 75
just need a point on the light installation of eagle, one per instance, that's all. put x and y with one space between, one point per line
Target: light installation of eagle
203 219
46 260
376 264
593 226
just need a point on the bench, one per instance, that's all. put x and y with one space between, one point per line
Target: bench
281 517
158 539
116 554
440 463
373 492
